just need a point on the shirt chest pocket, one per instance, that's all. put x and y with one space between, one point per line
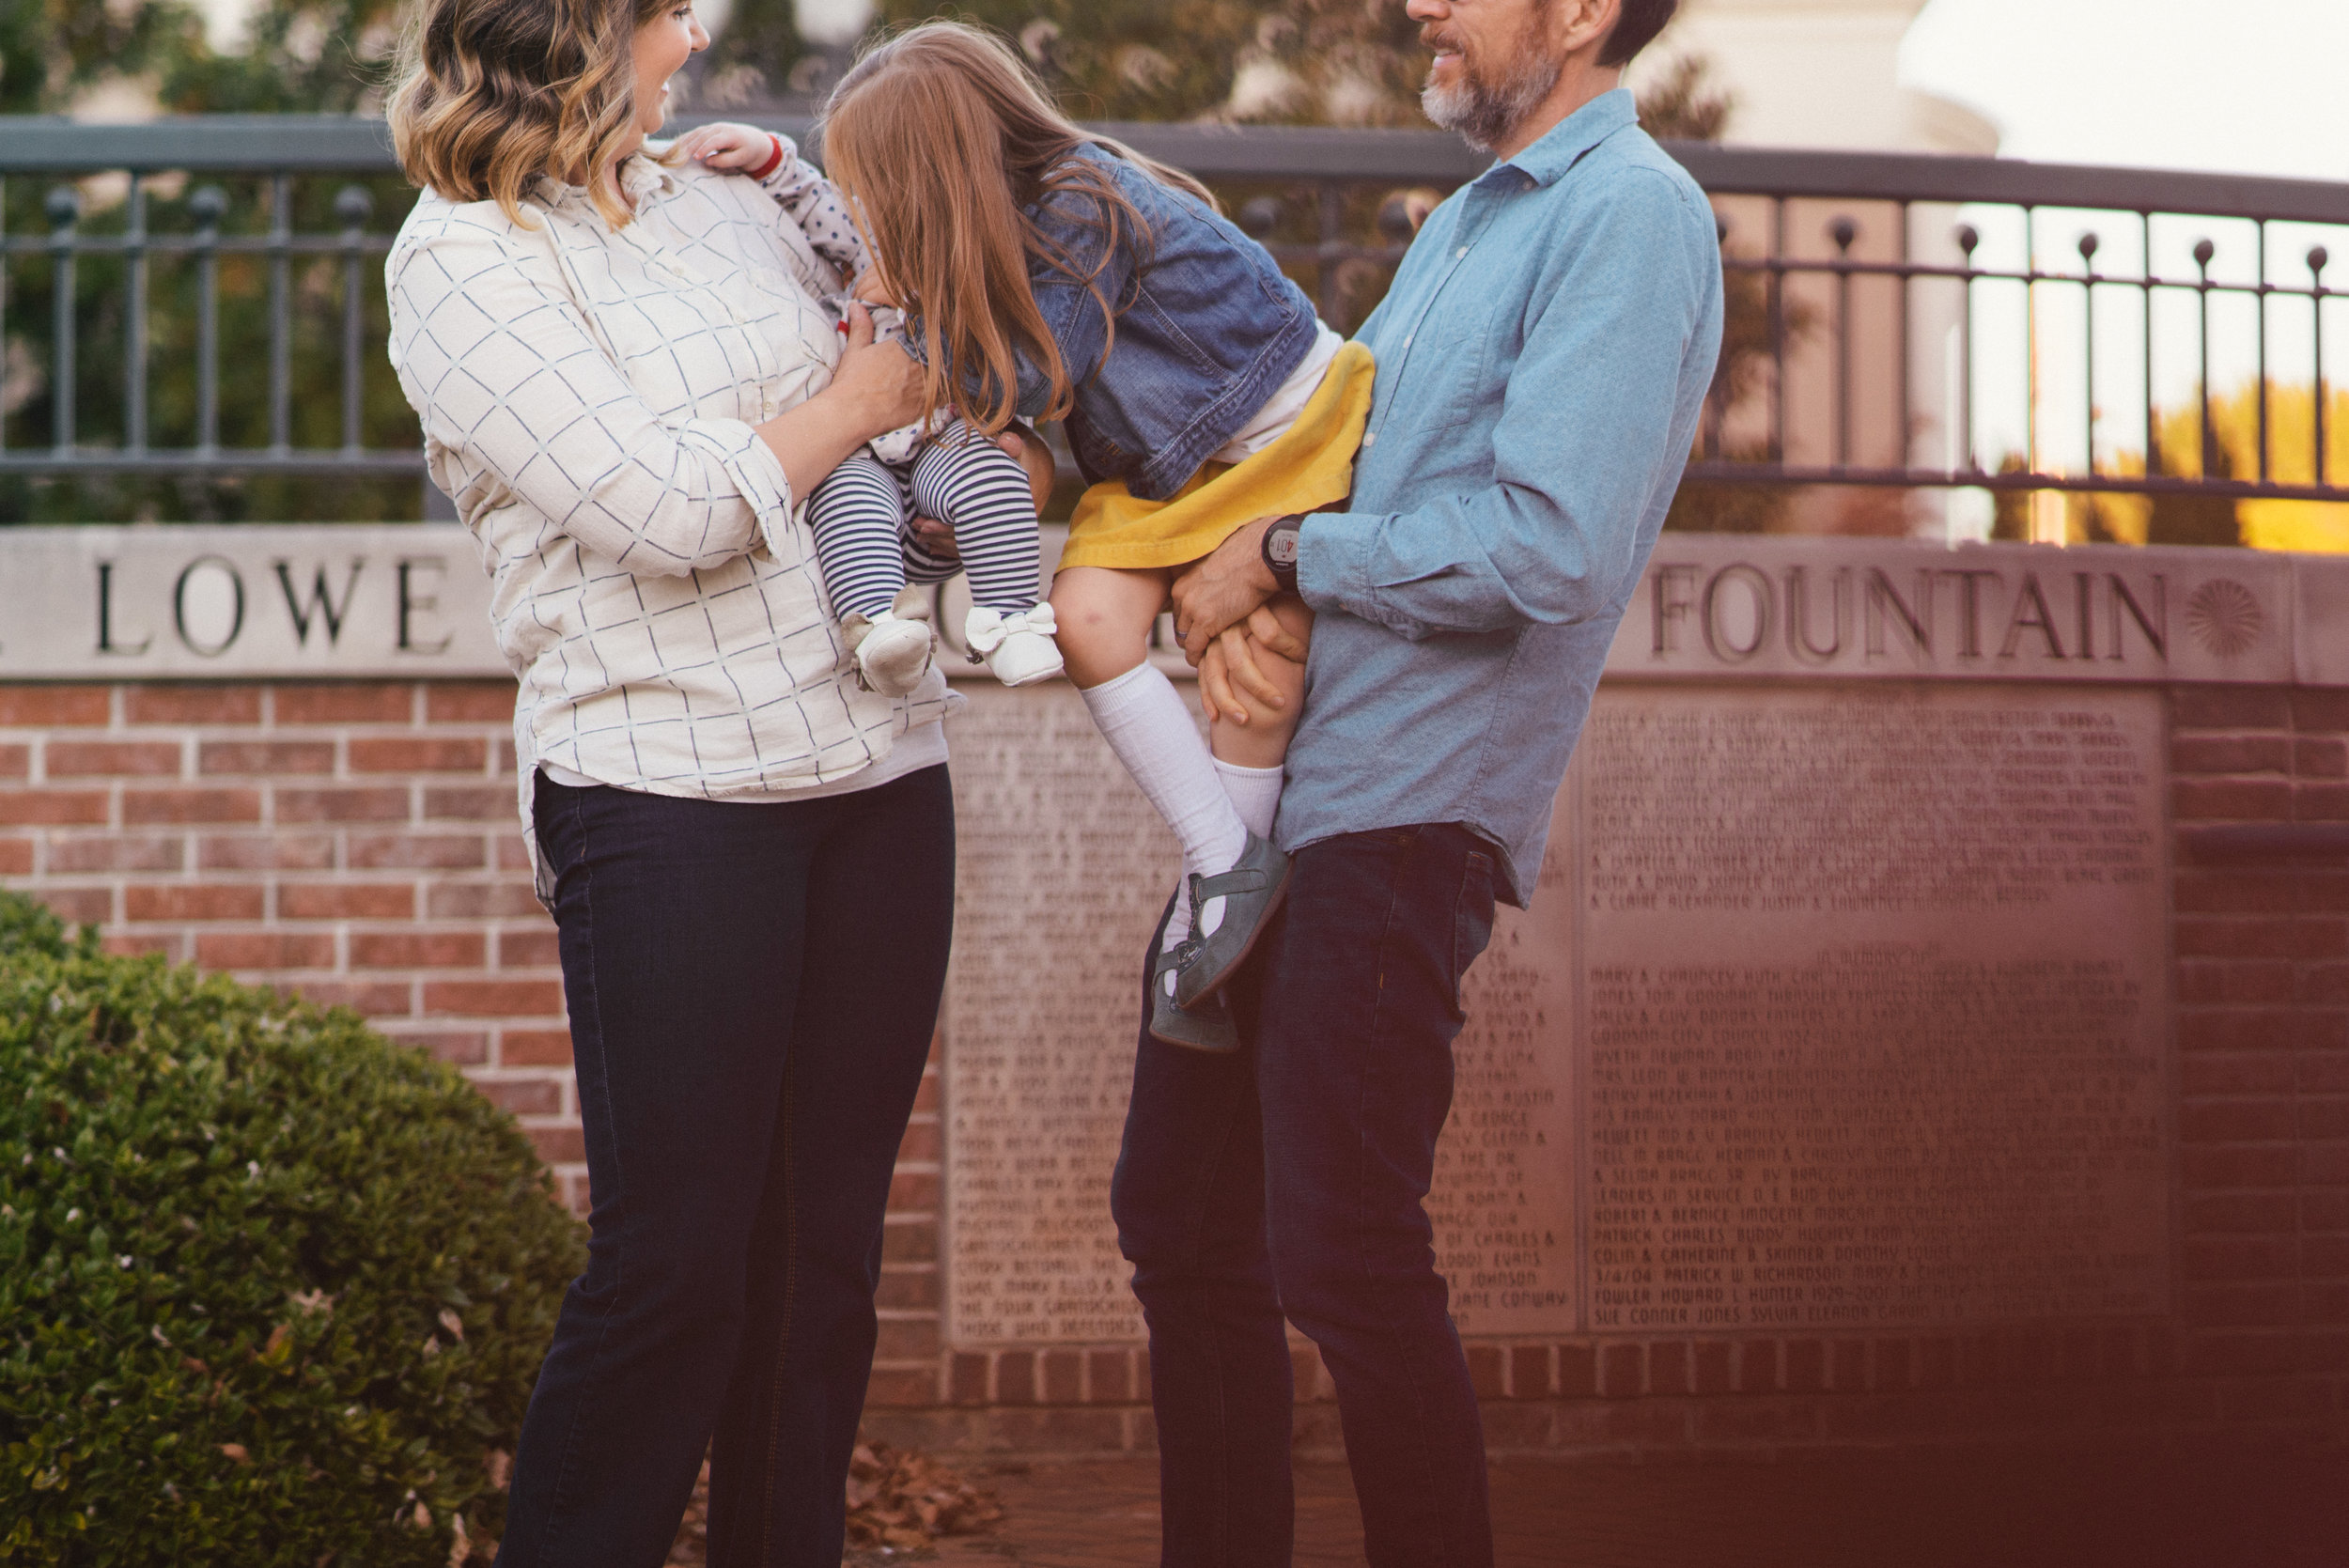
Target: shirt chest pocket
1448 357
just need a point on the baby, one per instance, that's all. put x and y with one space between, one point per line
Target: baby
861 515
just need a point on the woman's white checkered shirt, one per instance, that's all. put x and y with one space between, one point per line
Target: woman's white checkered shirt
588 397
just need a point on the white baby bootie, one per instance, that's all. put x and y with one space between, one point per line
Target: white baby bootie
892 652
1017 649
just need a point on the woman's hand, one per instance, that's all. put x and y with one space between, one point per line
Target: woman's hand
880 381
730 146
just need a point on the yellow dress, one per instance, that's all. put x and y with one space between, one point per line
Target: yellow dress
1310 467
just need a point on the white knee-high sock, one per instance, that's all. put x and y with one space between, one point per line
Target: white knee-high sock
1255 794
1149 726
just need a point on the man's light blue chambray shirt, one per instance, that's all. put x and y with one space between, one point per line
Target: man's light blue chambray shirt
1543 358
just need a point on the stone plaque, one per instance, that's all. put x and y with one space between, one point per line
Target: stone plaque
1063 869
1875 1010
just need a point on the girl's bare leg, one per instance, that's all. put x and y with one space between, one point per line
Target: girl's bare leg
1105 618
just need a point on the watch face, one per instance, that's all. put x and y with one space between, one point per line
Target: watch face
1280 546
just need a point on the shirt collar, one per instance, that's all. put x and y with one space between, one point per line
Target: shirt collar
1562 146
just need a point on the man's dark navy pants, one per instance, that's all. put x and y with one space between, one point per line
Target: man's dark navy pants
1288 1179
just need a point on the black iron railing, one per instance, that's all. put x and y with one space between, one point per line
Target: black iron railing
1865 277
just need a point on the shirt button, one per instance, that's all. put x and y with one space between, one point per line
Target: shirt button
1370 438
1406 342
1463 250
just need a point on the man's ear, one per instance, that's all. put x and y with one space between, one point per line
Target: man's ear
1586 24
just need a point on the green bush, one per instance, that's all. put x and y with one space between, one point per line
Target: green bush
272 1290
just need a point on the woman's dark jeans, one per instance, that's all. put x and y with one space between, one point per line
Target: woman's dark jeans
753 992
1287 1178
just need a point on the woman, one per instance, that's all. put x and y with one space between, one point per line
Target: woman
625 380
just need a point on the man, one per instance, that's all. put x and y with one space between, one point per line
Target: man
1542 360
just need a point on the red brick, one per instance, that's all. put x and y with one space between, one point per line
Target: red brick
900 1389
192 705
2238 1168
920 1143
908 1290
2241 1257
422 754
1621 1371
1806 1366
513 854
487 702
535 1048
2230 799
2326 1257
915 1241
2230 708
1485 1366
559 1145
1111 1376
116 852
913 1192
481 901
2198 891
482 999
966 1379
2324 1121
2325 1164
265 756
355 703
2321 985
2238 1073
2240 937
1528 1371
2242 1306
1015 1377
1062 1369
16 856
81 905
345 901
264 950
372 998
2239 1028
522 1096
54 706
167 946
464 1048
416 950
2320 759
523 950
93 759
52 808
469 804
342 805
16 762
2317 708
2238 1214
201 901
190 805
2208 982
415 851
2323 1072
1847 1366
1578 1372
2238 1122
2321 803
266 852
2325 1211
2231 753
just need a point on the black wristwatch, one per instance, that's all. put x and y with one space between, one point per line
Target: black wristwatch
1280 553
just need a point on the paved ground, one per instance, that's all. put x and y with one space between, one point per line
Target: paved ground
1986 1511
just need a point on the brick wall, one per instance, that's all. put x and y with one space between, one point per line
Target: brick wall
356 841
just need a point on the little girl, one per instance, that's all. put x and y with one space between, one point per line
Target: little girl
940 468
1047 273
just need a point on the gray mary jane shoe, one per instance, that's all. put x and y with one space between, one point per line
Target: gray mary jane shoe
1251 890
1207 1027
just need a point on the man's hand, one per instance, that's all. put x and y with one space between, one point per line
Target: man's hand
1223 590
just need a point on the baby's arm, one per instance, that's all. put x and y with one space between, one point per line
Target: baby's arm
811 201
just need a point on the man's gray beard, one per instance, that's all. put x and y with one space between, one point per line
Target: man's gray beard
1482 112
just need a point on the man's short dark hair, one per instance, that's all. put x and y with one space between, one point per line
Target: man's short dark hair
1636 28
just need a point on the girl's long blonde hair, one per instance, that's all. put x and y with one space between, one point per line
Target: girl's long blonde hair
494 93
939 136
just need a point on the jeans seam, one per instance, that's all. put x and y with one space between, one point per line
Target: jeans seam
587 904
1361 1184
791 1299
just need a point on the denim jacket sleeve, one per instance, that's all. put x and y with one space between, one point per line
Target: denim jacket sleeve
1580 425
1072 313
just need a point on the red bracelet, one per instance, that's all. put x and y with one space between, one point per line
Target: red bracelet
773 164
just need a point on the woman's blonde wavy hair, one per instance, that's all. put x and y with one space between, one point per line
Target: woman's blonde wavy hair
940 137
494 93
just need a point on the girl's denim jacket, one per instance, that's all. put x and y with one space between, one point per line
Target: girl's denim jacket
1208 331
